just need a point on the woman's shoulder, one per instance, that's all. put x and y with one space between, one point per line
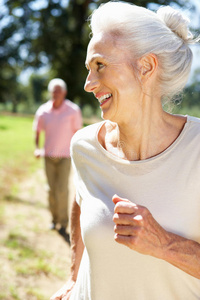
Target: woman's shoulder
192 131
194 125
84 143
87 133
194 120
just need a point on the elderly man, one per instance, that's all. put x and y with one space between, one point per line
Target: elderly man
59 119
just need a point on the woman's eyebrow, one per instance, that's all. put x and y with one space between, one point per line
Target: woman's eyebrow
97 56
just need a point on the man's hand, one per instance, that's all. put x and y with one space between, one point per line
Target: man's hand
65 292
136 228
38 152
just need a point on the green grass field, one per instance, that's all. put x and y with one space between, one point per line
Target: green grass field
32 266
17 141
16 151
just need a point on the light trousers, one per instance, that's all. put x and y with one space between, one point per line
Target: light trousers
57 172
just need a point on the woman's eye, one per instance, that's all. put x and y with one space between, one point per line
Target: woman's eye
99 66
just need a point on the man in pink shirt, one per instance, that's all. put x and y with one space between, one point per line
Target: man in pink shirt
59 119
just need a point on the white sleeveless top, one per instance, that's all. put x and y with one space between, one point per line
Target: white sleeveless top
167 184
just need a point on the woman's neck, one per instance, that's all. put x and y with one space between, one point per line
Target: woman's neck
141 138
144 136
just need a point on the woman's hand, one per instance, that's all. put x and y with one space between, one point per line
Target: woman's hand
65 292
136 228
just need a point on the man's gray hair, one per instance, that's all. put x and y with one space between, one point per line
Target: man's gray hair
59 82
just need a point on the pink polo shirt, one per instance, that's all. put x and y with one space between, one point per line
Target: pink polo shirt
59 126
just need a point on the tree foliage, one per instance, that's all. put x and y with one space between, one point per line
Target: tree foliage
49 32
191 95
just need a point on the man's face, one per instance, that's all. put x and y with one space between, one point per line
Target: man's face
58 94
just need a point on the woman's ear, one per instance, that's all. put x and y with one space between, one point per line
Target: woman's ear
148 66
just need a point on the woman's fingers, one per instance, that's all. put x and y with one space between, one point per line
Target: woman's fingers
136 228
128 219
128 241
126 230
123 205
116 199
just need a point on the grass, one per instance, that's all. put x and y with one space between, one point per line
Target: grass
34 292
2 211
24 258
16 152
27 259
13 292
17 140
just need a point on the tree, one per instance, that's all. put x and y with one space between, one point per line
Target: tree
12 38
55 34
191 96
38 87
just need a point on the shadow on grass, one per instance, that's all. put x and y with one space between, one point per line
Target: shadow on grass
15 199
3 127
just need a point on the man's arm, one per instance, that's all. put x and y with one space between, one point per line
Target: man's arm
37 151
77 248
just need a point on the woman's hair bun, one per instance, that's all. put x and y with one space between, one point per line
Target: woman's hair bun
176 22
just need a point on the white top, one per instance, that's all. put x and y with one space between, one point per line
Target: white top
167 184
59 126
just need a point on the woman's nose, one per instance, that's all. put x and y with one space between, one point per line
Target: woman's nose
91 83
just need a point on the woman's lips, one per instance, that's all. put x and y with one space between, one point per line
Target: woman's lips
105 101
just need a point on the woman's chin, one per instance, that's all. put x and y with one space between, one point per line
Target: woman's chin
108 117
105 115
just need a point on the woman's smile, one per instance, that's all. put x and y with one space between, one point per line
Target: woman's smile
103 99
111 77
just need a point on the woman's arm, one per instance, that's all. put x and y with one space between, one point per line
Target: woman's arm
77 248
183 254
136 228
77 245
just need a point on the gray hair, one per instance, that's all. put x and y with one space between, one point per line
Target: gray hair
142 32
59 82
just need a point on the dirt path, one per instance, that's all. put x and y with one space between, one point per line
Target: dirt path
34 261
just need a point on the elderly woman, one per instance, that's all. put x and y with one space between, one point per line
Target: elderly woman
136 219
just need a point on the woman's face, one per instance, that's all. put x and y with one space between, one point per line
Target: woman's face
111 78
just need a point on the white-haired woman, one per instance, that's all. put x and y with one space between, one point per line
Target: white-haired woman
137 172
